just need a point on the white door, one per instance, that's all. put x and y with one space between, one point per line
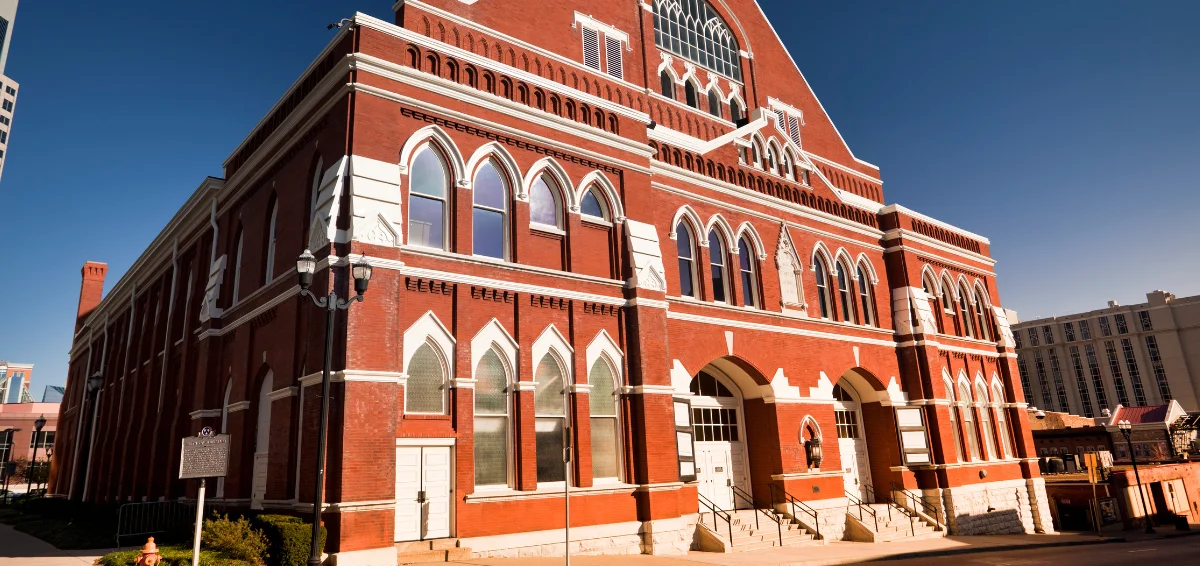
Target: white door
720 441
258 484
262 444
422 492
714 473
852 444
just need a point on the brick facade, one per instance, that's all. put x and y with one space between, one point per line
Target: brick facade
196 333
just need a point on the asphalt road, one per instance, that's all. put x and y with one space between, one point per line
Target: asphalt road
1161 552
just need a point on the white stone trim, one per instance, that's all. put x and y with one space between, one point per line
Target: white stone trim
450 441
238 406
204 413
369 557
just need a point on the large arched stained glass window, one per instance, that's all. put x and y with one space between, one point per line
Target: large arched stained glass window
694 30
491 421
549 405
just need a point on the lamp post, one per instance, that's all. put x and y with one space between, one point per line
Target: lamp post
37 433
1127 431
49 458
306 266
8 440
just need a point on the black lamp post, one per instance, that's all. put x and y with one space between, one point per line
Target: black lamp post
8 433
37 441
49 457
306 266
1127 431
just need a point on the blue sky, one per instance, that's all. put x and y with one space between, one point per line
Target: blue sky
1067 132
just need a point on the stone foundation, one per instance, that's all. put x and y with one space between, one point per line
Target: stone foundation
663 537
1007 507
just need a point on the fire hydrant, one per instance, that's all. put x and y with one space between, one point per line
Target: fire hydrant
149 556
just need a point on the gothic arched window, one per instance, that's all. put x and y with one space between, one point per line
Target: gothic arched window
692 29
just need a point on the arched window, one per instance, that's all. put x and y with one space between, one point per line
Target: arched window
687 260
980 317
968 417
1002 422
954 430
490 216
691 94
824 299
491 421
714 103
549 404
756 149
545 202
985 421
844 293
594 205
668 84
692 29
964 309
789 167
931 292
717 264
313 195
425 390
428 195
867 305
237 268
606 437
746 264
269 265
736 113
773 160
948 306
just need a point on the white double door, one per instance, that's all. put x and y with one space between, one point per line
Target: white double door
719 464
423 480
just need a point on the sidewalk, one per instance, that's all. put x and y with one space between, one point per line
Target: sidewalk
832 553
20 549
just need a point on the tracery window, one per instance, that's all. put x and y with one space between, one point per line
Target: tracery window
425 391
694 30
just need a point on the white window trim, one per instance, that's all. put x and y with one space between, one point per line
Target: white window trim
494 337
428 330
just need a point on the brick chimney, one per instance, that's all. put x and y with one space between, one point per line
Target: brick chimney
91 290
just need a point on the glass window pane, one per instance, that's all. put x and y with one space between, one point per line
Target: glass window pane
425 222
548 397
491 451
543 203
488 233
591 205
683 238
428 174
602 399
604 447
423 392
549 449
489 188
490 395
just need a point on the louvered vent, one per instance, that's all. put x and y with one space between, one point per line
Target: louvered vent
616 66
794 126
781 120
591 48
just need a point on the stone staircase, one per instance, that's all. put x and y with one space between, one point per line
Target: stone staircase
749 536
894 524
437 550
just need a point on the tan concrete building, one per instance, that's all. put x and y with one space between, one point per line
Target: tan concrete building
1132 355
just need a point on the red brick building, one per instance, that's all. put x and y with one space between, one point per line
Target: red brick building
633 217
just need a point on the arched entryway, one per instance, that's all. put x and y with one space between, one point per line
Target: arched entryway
720 439
262 443
852 440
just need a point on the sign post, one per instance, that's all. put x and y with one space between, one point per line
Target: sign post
1093 465
204 456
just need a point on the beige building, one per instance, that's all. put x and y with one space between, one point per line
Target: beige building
8 87
1132 355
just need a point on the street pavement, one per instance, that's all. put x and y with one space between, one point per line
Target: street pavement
1164 551
20 549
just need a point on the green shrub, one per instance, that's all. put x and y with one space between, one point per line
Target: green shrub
234 538
289 538
172 556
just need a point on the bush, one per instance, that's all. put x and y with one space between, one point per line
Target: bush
235 539
289 538
172 556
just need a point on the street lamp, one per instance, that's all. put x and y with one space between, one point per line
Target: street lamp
37 433
8 442
1127 431
306 266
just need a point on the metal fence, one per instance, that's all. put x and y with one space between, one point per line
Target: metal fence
159 517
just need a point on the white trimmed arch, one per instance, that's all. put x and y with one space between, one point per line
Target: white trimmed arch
429 330
820 250
601 182
964 384
552 342
506 165
551 167
948 382
948 281
686 212
982 293
870 267
722 226
981 387
806 422
962 283
439 139
747 229
844 256
603 347
997 389
493 336
927 273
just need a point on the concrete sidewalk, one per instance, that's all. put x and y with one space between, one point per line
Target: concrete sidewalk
20 549
832 553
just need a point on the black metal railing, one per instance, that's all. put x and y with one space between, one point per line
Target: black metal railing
918 505
159 517
795 505
738 493
853 501
717 512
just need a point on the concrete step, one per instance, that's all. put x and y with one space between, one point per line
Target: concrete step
437 550
772 543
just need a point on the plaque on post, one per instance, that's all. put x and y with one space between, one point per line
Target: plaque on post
204 456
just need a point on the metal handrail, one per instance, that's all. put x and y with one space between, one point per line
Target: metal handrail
853 500
790 500
920 503
738 493
875 499
717 512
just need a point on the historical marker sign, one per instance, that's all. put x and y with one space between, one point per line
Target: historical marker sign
204 457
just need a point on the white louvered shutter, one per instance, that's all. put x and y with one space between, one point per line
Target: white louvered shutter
794 126
615 57
591 48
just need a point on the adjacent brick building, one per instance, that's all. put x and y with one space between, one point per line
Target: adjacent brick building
631 221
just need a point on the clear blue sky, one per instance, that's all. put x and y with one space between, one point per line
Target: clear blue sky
1068 132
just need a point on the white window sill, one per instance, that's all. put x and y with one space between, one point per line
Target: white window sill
545 228
544 491
595 220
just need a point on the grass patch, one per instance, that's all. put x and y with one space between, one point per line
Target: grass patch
172 556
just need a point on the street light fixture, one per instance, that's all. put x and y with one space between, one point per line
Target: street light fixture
1126 429
37 441
306 266
8 433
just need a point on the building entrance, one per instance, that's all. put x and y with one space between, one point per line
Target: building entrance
720 442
